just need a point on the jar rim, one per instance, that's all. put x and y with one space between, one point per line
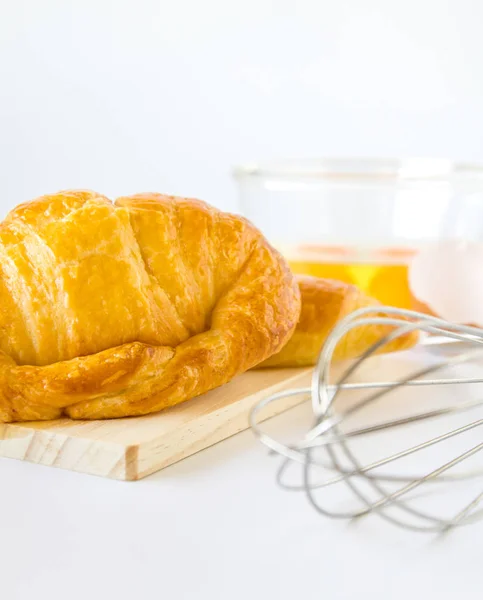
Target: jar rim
361 168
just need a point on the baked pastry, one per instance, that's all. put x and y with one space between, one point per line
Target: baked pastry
324 303
109 310
112 310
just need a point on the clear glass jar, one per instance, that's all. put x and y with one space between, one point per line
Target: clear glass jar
362 220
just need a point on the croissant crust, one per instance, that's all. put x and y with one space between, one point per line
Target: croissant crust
125 308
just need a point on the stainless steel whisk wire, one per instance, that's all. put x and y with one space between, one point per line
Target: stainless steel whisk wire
326 433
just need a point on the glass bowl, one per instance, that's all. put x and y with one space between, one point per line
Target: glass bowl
362 220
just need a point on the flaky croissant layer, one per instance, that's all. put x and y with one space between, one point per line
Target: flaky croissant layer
120 309
114 309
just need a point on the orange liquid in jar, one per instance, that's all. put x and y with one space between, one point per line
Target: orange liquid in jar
382 273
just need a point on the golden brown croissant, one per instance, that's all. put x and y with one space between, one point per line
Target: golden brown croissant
324 303
111 310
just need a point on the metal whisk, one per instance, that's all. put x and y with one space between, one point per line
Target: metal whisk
333 454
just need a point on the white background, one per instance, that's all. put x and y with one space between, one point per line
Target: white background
155 95
213 527
141 95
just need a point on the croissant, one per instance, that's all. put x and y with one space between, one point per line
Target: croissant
125 308
324 303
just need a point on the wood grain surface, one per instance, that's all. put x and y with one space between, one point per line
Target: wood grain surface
129 449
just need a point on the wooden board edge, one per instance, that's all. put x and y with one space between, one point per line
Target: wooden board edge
53 449
157 454
133 462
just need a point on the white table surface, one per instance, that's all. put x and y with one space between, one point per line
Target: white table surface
212 526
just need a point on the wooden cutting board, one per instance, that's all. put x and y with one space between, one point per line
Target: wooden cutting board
130 449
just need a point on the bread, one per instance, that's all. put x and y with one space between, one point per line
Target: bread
112 310
324 303
109 310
